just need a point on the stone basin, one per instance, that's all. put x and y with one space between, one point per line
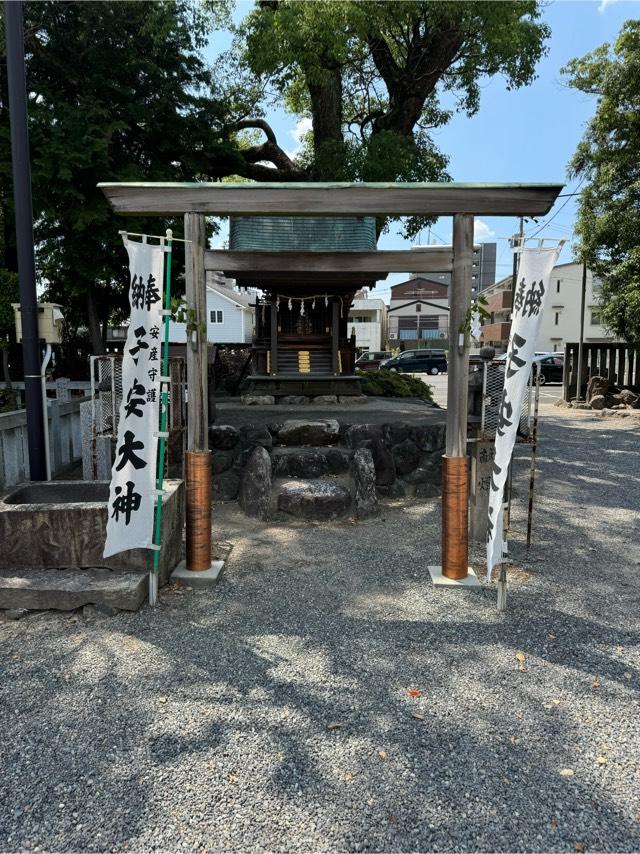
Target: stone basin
62 524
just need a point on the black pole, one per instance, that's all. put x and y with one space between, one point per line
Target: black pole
13 13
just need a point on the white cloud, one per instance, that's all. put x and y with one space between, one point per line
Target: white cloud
604 3
302 127
481 230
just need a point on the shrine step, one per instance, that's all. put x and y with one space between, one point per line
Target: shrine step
67 589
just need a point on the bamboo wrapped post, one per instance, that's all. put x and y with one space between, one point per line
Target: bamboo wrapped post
198 456
455 469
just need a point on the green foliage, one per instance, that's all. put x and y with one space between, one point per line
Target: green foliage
119 92
608 160
391 384
371 74
9 293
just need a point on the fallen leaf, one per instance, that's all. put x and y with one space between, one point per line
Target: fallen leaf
513 739
601 760
334 725
162 699
27 807
67 677
554 823
520 656
522 668
382 754
414 692
556 702
579 846
566 772
627 674
417 716
619 649
596 682
550 635
231 778
349 775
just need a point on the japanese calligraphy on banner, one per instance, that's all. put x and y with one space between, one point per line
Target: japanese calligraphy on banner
532 284
133 476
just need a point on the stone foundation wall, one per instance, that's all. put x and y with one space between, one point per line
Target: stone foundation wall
402 460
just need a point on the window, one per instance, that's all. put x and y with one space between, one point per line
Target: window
558 286
418 307
596 319
555 348
557 317
216 316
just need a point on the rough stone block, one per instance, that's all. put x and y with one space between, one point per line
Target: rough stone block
363 472
67 589
255 485
337 460
325 400
406 456
293 400
226 486
221 461
258 399
297 432
223 437
314 499
307 464
352 399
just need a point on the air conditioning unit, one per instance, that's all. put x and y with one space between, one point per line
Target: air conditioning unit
442 335
393 336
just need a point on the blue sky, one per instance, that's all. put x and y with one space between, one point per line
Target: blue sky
526 135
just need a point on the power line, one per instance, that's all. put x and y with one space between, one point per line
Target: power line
545 224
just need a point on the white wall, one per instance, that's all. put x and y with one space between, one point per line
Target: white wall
371 334
561 318
236 328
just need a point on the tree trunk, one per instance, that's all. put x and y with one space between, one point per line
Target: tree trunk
326 110
93 323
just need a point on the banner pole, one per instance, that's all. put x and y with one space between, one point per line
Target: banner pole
164 406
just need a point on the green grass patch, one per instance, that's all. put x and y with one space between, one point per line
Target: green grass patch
391 384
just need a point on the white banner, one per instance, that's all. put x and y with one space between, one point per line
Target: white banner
133 476
532 284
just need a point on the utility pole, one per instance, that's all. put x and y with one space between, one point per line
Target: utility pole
581 341
17 88
516 242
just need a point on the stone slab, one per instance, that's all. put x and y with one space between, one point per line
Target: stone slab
440 580
198 580
67 589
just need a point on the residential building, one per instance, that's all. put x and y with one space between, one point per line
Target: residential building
419 314
484 266
561 316
368 320
230 314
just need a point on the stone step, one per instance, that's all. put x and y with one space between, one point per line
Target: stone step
309 461
319 500
66 589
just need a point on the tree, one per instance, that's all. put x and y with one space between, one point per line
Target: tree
118 91
608 160
371 76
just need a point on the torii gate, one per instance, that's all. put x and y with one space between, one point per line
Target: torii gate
462 201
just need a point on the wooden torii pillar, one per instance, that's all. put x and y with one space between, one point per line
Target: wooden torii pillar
462 201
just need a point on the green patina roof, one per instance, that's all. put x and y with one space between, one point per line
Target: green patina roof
302 233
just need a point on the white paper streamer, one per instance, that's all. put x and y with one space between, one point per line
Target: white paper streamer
532 284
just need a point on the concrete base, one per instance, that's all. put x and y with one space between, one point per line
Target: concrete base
198 580
440 580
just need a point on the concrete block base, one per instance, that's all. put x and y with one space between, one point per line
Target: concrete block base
197 580
440 580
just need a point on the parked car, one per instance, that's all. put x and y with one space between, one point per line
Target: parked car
370 361
551 367
418 362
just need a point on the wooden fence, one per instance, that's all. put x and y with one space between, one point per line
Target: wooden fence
620 363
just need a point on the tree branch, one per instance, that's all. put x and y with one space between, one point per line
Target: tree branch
269 151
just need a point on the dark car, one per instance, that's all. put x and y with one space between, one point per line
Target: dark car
551 368
418 362
370 361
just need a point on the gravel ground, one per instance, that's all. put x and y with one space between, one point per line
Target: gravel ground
324 697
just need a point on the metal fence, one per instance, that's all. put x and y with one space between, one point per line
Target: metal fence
106 397
492 386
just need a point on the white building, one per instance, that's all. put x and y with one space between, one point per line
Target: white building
230 317
368 317
561 316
